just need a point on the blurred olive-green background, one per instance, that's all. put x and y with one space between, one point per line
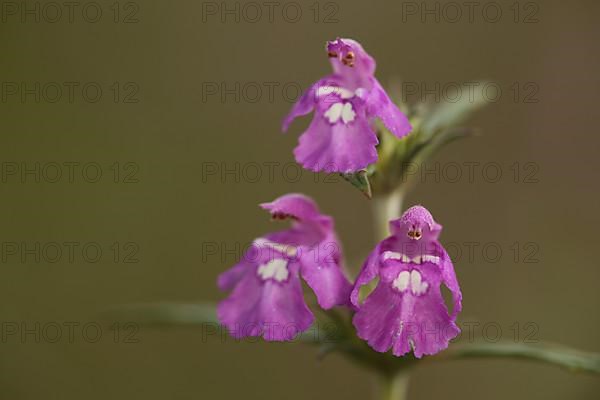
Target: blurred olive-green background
154 142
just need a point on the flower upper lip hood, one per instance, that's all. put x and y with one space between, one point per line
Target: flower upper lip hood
294 205
298 207
416 218
349 60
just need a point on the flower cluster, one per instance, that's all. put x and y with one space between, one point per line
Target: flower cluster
405 311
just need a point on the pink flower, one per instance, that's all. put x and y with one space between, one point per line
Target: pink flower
341 137
266 298
406 311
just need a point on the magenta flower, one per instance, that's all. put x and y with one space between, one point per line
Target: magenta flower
266 298
406 310
341 137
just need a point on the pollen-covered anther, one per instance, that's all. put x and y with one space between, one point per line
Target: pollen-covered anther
415 234
332 54
283 216
348 59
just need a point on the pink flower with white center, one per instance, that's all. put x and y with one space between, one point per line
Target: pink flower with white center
266 296
341 137
406 311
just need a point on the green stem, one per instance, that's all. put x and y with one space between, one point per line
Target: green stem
385 209
562 356
395 387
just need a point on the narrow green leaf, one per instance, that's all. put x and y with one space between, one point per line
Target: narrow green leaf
164 314
200 315
440 140
570 359
448 114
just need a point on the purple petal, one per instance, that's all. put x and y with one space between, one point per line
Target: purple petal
322 270
368 272
303 106
228 279
296 205
405 320
433 326
380 105
415 216
416 219
340 146
449 279
266 307
377 320
309 227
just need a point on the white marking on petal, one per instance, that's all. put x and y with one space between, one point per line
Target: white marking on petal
399 333
431 259
361 93
348 113
411 344
275 269
391 255
406 259
417 286
287 249
415 278
337 111
334 113
402 281
327 90
281 273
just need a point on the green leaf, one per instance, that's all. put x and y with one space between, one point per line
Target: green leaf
440 140
166 314
449 114
199 315
360 180
562 356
